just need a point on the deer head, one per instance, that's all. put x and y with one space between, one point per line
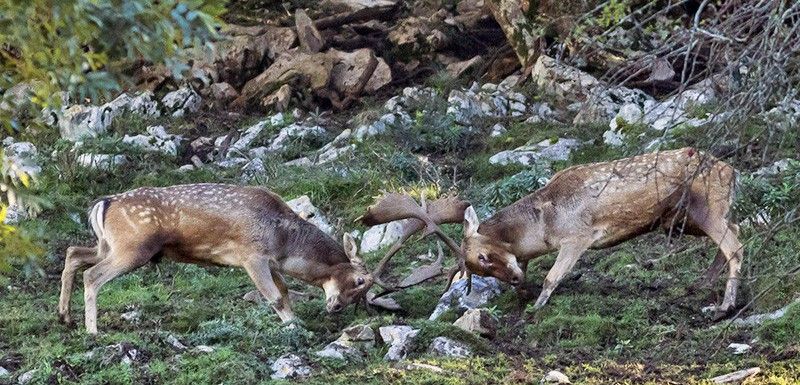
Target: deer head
348 282
487 256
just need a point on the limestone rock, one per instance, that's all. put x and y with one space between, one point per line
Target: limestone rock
303 207
182 101
456 298
399 338
102 161
310 38
478 321
555 377
290 366
446 347
543 151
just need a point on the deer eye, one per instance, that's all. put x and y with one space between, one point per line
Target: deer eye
482 258
359 281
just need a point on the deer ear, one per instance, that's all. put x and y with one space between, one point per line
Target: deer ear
472 222
350 248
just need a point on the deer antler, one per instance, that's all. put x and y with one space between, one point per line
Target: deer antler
394 207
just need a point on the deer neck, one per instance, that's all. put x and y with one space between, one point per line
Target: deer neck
310 255
522 226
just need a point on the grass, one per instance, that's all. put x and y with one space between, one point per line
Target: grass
623 316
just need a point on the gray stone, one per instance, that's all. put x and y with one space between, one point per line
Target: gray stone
290 366
240 146
182 101
483 290
393 120
132 316
303 207
291 132
497 130
478 321
739 349
543 151
223 93
253 169
21 158
102 161
26 377
78 122
555 377
4 372
157 141
382 235
400 338
175 343
204 349
446 347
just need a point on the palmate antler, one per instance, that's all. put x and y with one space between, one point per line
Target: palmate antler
426 216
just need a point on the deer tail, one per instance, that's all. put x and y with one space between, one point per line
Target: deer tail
97 216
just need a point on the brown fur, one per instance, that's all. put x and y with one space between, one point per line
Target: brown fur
213 224
603 204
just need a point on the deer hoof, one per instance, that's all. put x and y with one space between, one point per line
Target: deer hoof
65 319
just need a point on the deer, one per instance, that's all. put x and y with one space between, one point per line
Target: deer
213 224
597 206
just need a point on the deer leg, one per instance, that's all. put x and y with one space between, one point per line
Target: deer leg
725 235
568 255
76 258
523 289
712 273
271 285
109 268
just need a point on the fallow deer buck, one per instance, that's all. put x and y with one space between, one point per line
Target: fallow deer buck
596 206
213 224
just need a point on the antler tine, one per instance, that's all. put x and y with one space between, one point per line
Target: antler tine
426 215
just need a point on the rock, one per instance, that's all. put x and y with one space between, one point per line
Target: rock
555 377
446 347
628 114
141 104
478 321
21 158
123 352
290 366
543 151
418 34
175 343
102 161
355 5
132 316
736 376
223 93
497 130
421 366
313 68
776 168
353 343
399 338
280 99
393 120
246 139
310 38
26 377
204 349
157 141
17 98
4 372
181 102
245 51
350 66
758 319
78 122
380 236
456 298
303 207
292 132
253 169
186 168
739 348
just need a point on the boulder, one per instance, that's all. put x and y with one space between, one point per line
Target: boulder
181 102
544 151
555 377
478 321
399 338
249 135
460 68
4 372
223 93
310 38
292 132
290 366
303 207
350 66
175 343
497 130
353 343
456 298
382 235
446 347
21 158
26 377
102 161
244 52
390 121
157 141
739 349
78 122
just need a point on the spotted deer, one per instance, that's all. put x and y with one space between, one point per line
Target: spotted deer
213 224
595 206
